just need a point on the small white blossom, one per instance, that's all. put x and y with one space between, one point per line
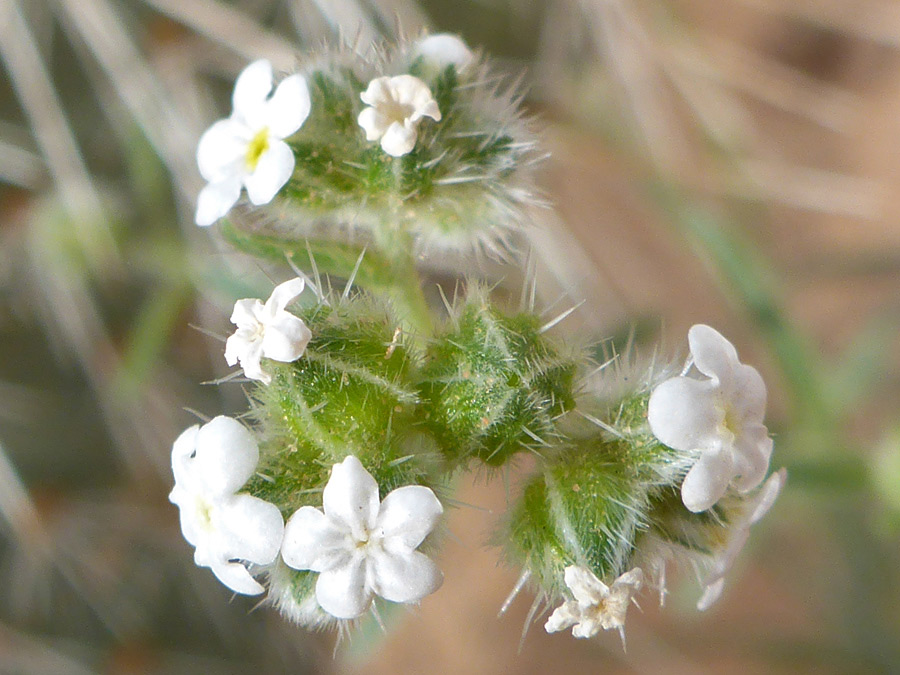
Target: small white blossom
596 605
721 417
211 463
267 330
361 548
755 508
444 49
397 105
247 149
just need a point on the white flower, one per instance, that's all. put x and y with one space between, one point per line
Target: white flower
361 548
596 605
721 417
267 330
755 508
444 49
397 105
211 463
247 148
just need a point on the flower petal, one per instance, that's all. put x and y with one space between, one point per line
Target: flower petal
286 338
273 170
342 591
444 49
565 615
182 450
586 588
221 150
406 577
289 106
707 480
247 313
226 457
215 200
399 139
753 448
282 295
251 90
250 362
713 355
768 493
684 414
378 92
236 577
351 497
373 123
408 514
249 528
313 542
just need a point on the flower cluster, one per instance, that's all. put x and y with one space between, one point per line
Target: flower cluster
363 404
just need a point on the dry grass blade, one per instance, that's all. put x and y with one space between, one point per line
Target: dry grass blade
19 512
230 28
34 87
99 25
20 167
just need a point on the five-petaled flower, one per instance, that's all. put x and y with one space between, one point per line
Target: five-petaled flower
596 605
267 330
752 511
720 416
247 149
397 105
361 548
211 463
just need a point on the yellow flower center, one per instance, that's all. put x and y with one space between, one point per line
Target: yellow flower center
258 145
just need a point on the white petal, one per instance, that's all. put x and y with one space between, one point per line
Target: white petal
273 170
249 528
313 542
768 493
684 414
247 312
444 49
410 90
399 139
342 591
710 595
237 346
586 629
712 353
378 92
215 200
236 577
182 450
565 615
707 480
408 514
632 580
221 150
250 362
748 394
226 457
407 577
289 106
753 448
286 338
351 497
251 90
282 295
373 123
585 586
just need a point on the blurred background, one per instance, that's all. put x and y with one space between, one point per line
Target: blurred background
732 162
